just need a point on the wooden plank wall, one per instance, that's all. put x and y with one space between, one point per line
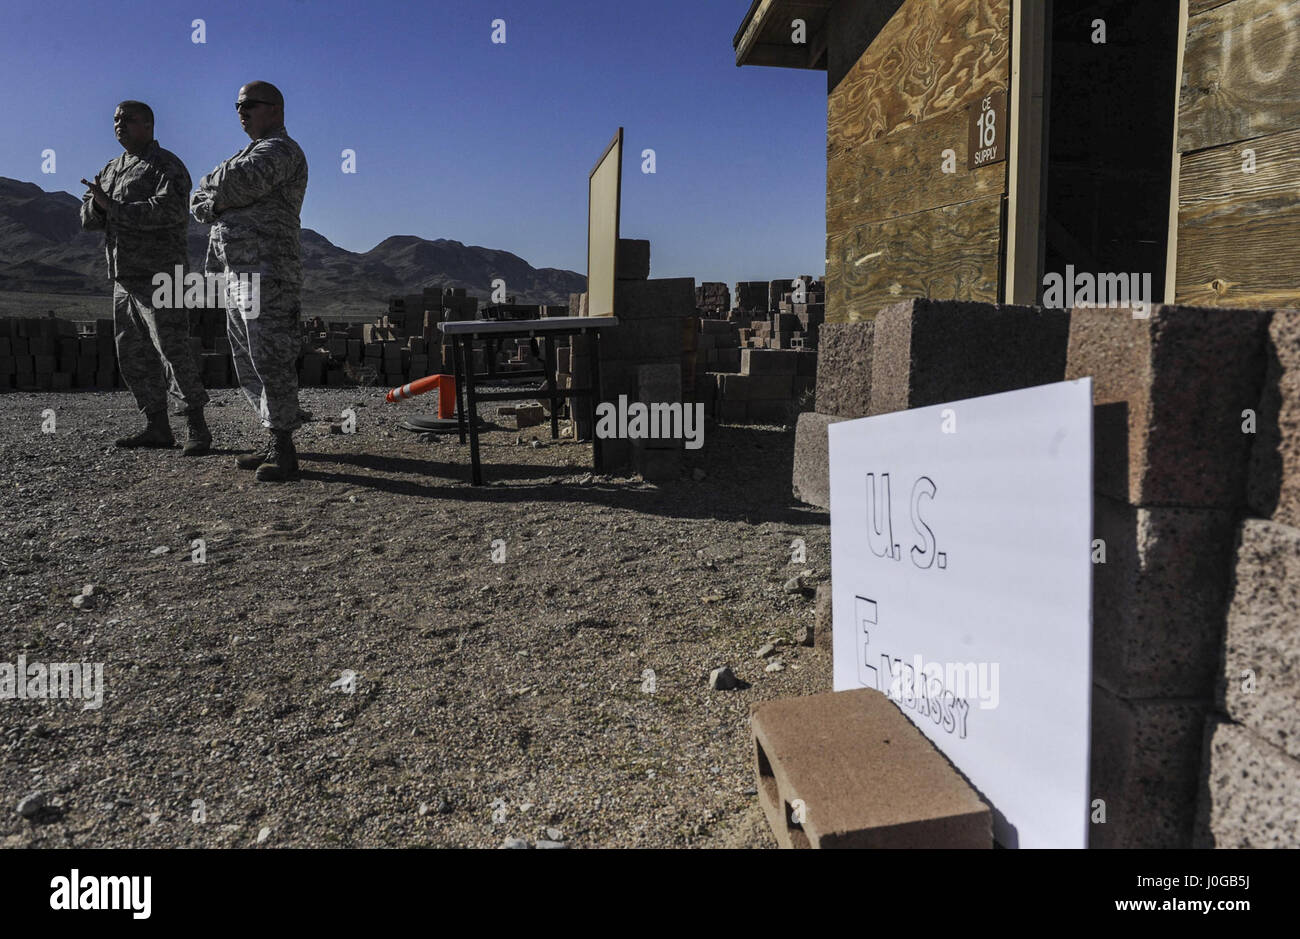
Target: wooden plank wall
1238 232
897 226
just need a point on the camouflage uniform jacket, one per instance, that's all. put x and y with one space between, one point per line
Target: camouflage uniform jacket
146 222
253 201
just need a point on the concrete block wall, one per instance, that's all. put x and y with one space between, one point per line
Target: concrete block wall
920 353
1170 392
1250 779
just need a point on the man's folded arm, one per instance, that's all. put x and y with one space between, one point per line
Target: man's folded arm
91 218
166 209
246 179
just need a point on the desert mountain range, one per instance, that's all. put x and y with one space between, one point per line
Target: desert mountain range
44 250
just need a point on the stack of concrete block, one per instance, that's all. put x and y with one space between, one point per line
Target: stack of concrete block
717 347
632 259
712 299
653 316
770 388
573 370
752 297
47 354
660 458
1170 479
843 392
1250 795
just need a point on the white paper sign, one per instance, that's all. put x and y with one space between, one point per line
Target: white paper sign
962 587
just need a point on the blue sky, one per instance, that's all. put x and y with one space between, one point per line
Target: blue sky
456 137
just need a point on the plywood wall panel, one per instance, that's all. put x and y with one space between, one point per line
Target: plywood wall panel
1241 73
1239 232
903 174
951 252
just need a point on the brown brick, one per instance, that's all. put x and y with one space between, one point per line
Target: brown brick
866 777
1170 392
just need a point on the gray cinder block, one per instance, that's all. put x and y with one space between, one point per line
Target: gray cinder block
632 261
848 770
928 352
1158 599
769 362
1170 392
1251 797
1145 767
1274 481
1261 680
811 478
844 356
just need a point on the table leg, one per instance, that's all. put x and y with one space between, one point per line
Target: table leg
456 344
597 460
471 414
548 344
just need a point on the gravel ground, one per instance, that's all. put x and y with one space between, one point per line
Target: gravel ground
490 700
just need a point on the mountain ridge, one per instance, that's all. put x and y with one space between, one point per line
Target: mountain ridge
44 250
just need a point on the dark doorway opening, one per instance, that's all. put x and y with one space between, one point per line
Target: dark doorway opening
1109 137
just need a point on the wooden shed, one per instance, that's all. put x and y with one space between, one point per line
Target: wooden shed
975 147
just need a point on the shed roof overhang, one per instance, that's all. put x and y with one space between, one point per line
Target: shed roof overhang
764 38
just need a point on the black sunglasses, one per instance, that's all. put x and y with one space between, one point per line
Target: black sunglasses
248 104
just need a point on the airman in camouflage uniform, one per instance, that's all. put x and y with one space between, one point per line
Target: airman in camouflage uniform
253 201
139 201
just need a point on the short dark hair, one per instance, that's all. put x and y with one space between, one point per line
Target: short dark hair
138 107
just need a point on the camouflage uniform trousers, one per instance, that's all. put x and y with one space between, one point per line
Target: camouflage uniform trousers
266 347
154 353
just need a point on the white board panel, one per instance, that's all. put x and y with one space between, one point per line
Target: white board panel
604 187
960 548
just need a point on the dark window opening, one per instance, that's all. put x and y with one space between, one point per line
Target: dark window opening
1109 137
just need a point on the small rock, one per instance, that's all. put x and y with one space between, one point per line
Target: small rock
767 650
555 834
722 679
515 844
263 835
586 480
699 475
794 585
443 807
423 810
161 549
552 845
537 444
806 636
776 665
751 791
31 805
566 431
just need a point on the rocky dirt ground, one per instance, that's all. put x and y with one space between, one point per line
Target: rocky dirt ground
492 701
